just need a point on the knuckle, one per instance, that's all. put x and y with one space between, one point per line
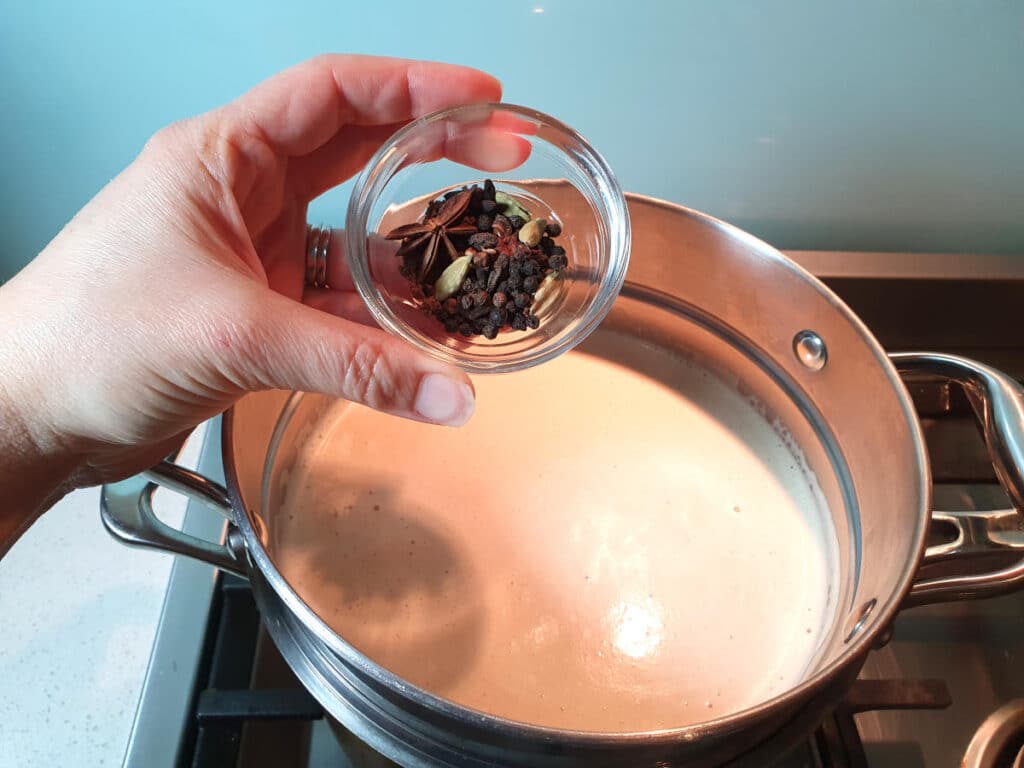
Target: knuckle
238 348
370 376
167 138
322 61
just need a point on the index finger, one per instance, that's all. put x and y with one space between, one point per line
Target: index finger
300 109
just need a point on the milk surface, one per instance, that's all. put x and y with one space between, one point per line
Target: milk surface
597 550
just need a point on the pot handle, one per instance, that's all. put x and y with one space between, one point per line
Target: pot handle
998 403
126 509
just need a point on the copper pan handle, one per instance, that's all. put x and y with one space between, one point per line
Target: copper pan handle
998 403
126 509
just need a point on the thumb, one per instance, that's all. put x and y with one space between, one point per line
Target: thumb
291 346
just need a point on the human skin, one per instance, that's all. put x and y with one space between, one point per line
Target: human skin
179 287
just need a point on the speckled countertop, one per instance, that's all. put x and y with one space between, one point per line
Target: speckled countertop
78 614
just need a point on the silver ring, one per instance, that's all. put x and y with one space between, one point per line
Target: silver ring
318 243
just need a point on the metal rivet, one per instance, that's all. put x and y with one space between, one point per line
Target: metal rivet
884 637
861 619
810 350
235 543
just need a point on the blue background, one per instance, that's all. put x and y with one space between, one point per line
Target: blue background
883 125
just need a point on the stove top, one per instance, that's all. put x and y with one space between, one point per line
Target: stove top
218 693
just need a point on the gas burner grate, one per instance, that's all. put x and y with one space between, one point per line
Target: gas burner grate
226 702
838 742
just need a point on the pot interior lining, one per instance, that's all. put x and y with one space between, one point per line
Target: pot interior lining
639 323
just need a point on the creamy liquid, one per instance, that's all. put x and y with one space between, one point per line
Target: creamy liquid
596 550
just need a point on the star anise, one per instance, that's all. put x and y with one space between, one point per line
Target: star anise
425 239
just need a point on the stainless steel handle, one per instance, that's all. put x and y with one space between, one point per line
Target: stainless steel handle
127 513
998 403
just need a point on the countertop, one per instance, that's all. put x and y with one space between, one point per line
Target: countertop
79 614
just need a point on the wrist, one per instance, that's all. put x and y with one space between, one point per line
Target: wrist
36 468
34 473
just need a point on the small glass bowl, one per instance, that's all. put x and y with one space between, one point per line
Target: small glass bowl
549 169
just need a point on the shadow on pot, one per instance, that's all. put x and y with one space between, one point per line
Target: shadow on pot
365 559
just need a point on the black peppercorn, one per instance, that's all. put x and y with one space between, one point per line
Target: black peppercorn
501 227
503 273
482 240
494 278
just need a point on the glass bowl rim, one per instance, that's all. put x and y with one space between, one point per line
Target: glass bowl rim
370 183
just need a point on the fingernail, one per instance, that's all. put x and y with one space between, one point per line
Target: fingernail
443 400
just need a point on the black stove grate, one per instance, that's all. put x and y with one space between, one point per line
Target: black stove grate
225 701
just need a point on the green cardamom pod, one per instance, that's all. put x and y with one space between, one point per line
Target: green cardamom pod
546 294
510 206
452 277
532 231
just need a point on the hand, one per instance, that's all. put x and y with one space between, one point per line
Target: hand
179 287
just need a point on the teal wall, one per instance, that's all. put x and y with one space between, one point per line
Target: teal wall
887 124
